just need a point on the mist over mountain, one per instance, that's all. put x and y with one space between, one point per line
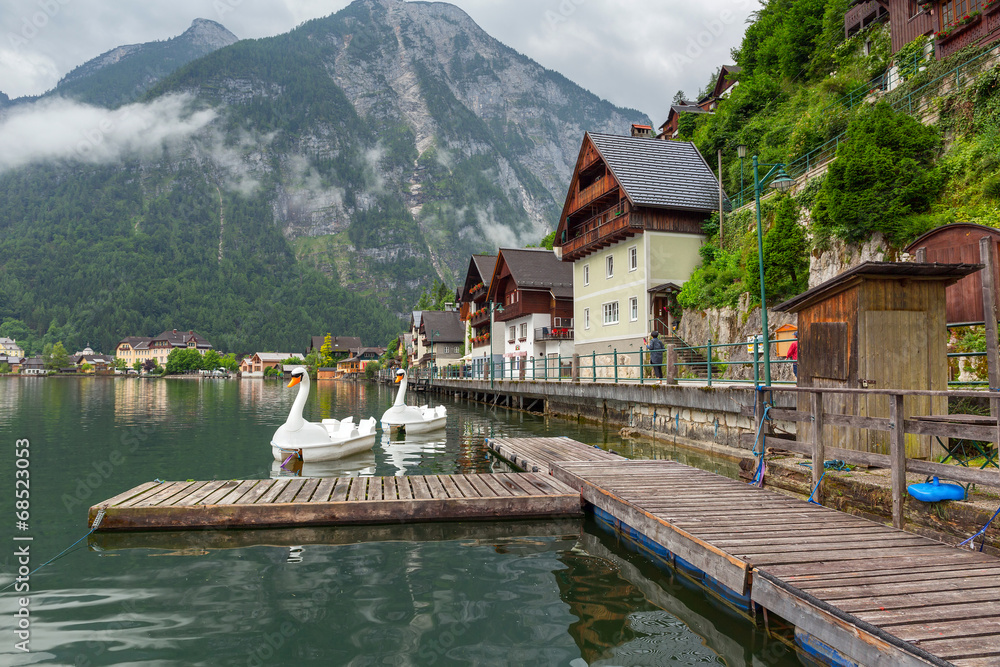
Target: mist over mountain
357 157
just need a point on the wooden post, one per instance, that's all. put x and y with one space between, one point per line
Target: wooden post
575 372
897 454
670 373
818 454
988 256
721 213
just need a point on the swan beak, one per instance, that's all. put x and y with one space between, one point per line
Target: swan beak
294 381
398 379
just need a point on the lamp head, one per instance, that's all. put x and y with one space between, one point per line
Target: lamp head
741 150
782 181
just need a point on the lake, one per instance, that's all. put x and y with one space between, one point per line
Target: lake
496 593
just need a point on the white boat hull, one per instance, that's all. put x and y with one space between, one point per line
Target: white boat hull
326 451
424 426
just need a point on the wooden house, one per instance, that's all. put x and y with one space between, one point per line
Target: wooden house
632 222
863 13
442 336
474 310
880 325
670 129
959 244
536 291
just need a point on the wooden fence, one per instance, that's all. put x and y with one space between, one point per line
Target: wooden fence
897 426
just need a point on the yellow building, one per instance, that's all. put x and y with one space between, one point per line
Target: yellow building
141 348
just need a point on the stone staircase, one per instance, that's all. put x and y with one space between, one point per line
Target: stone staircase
686 357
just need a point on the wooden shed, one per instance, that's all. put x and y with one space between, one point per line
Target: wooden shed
958 244
880 325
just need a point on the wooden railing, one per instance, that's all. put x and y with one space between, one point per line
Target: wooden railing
596 230
896 425
597 189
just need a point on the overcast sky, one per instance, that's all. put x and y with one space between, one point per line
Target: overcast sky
634 53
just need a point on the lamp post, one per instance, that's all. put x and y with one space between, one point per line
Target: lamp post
741 150
781 182
493 308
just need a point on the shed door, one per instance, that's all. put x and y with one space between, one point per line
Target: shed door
895 357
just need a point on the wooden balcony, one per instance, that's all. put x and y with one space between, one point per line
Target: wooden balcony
480 318
593 192
599 232
863 14
511 312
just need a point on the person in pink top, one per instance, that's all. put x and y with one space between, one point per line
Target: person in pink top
793 354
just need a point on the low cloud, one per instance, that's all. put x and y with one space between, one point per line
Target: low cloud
61 130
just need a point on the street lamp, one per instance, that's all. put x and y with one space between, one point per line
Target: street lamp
741 150
781 182
494 307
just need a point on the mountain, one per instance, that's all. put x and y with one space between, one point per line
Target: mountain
364 154
122 74
4 100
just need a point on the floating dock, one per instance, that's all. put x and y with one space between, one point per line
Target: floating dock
868 592
270 503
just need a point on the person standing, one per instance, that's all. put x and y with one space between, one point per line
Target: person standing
793 354
656 354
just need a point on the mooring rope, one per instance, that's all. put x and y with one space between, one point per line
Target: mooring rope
758 478
982 531
94 527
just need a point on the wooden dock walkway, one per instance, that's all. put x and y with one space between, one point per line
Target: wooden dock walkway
260 503
538 454
876 594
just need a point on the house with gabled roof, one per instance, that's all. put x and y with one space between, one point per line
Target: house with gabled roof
475 312
442 336
631 224
340 345
254 365
671 127
536 291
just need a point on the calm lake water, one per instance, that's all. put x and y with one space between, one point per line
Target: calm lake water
504 593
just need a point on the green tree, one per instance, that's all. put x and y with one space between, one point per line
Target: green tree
120 364
326 352
786 256
881 176
211 360
181 360
228 361
137 365
4 367
57 357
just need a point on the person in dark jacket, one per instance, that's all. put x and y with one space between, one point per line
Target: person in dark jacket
656 354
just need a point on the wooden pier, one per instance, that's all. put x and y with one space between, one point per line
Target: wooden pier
876 594
268 503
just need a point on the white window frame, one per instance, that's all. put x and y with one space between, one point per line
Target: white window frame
586 318
609 266
633 258
610 309
633 309
524 331
586 274
512 334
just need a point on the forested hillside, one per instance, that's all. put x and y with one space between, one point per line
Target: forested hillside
804 86
315 181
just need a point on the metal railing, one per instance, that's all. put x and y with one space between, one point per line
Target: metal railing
917 100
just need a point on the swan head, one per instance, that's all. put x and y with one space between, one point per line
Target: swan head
400 374
297 374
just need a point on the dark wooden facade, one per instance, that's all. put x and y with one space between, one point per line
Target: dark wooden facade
908 20
598 214
959 244
863 13
878 326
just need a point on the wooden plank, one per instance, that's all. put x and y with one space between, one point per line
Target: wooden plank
403 488
305 494
910 600
359 489
204 492
879 564
133 493
892 618
835 631
324 489
897 442
507 480
904 587
482 488
496 486
181 499
809 582
436 487
241 490
256 492
273 492
420 488
165 493
389 491
228 488
340 489
463 484
290 491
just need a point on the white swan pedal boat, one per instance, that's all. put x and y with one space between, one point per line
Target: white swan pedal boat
330 440
411 419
